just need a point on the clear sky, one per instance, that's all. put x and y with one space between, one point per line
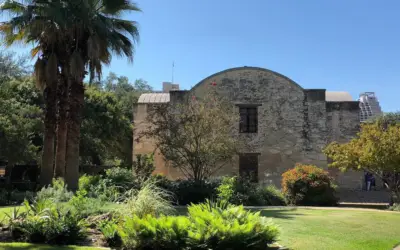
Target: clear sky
338 45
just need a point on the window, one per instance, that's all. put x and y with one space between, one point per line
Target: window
248 119
248 166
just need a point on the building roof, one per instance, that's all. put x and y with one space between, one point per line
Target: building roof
338 96
331 96
154 98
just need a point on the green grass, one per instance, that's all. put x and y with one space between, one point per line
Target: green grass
7 210
27 246
307 229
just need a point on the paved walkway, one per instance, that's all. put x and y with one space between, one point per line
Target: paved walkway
322 208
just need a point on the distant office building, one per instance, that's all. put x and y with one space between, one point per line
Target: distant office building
369 106
168 86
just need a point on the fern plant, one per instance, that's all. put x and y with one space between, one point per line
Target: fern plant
110 231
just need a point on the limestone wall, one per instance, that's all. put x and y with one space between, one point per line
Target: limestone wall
294 124
343 124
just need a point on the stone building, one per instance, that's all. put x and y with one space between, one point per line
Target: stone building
285 123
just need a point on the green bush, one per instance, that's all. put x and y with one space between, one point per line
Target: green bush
84 206
56 192
309 186
395 207
119 176
272 196
230 227
242 191
109 187
88 182
149 232
110 231
190 191
210 225
44 222
17 197
143 167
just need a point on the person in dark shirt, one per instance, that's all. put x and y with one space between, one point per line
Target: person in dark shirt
368 180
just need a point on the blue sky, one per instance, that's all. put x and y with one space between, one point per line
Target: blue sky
338 45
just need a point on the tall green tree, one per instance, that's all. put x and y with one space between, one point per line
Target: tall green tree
106 131
38 22
20 121
127 93
74 37
12 66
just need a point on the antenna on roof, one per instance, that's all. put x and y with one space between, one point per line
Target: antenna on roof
173 66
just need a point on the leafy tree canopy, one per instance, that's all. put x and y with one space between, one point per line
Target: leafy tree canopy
197 136
376 149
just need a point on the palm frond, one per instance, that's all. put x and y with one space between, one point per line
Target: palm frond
115 7
13 7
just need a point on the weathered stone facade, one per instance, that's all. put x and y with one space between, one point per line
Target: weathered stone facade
294 124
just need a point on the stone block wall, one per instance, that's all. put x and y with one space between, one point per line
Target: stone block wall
342 125
294 124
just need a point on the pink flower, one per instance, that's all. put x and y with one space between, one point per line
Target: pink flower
193 98
214 83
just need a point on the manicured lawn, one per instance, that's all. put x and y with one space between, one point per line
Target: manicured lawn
306 229
26 246
309 229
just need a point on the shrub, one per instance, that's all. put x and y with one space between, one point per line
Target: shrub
109 187
210 225
109 229
19 196
272 196
308 185
88 182
242 191
150 199
119 176
395 207
84 206
191 191
64 228
230 227
56 192
43 222
143 167
149 232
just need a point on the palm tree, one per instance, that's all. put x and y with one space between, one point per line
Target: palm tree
35 22
74 36
97 32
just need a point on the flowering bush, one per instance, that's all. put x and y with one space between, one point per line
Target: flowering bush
308 185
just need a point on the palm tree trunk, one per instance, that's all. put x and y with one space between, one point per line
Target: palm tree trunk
76 102
62 126
46 171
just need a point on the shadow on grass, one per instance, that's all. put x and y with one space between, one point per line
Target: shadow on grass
287 213
18 246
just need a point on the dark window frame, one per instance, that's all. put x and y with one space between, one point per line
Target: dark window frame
248 118
248 165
